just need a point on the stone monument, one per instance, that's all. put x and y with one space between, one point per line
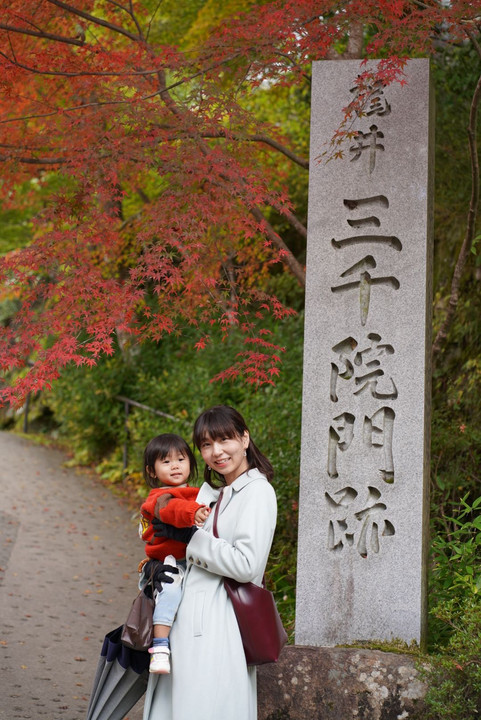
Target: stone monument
363 508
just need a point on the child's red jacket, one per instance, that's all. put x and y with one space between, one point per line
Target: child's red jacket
179 511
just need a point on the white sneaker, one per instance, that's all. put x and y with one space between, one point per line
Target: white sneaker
159 660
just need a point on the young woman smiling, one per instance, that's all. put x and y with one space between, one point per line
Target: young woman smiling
210 679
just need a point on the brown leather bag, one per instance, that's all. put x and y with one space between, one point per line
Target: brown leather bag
138 629
263 635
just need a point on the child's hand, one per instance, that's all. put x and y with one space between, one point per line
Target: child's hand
201 515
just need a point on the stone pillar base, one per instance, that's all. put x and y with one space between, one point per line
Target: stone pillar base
317 683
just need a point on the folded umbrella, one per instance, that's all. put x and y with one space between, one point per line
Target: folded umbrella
120 680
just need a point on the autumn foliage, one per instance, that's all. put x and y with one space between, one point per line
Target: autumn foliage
156 188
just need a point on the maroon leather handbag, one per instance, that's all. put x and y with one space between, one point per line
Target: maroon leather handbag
263 635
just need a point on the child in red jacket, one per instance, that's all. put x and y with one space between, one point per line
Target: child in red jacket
168 466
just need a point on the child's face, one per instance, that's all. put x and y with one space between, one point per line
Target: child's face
173 470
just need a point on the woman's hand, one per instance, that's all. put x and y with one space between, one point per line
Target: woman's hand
171 532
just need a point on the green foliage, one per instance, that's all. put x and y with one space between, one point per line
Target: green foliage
456 454
210 14
175 378
172 19
456 420
86 410
454 672
15 230
457 553
455 73
16 224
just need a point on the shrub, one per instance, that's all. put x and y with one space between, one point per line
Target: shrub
454 674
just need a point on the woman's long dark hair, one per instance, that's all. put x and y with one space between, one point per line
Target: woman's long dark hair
223 421
158 449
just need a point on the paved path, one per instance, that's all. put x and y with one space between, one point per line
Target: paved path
68 559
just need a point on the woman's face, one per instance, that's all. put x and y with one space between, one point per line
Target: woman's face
227 456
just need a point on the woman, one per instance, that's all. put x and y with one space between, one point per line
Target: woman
210 679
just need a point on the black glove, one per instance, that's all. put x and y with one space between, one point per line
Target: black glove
171 532
159 575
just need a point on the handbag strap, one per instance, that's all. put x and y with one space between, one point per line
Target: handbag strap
149 581
216 512
214 529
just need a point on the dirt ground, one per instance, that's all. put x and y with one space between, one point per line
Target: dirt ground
69 552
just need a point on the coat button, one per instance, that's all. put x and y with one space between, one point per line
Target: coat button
197 562
204 565
190 559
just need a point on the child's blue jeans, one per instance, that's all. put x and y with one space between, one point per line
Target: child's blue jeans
168 601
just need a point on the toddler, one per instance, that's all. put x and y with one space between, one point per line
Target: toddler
169 465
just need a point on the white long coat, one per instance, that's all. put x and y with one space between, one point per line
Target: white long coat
210 679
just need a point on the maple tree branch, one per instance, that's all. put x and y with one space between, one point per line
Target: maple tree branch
441 6
470 225
119 6
134 19
97 103
129 11
83 73
166 88
423 5
290 259
33 161
101 103
12 50
474 40
41 34
163 92
28 117
287 255
292 219
131 219
260 137
295 222
295 266
294 64
93 19
151 19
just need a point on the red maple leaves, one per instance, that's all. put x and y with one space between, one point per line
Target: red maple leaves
154 185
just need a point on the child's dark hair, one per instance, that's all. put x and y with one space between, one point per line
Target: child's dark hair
158 449
223 421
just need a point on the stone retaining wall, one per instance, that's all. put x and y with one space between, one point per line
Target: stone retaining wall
311 683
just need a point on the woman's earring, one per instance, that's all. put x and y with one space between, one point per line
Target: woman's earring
245 453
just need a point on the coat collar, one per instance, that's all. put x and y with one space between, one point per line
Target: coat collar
246 478
239 483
